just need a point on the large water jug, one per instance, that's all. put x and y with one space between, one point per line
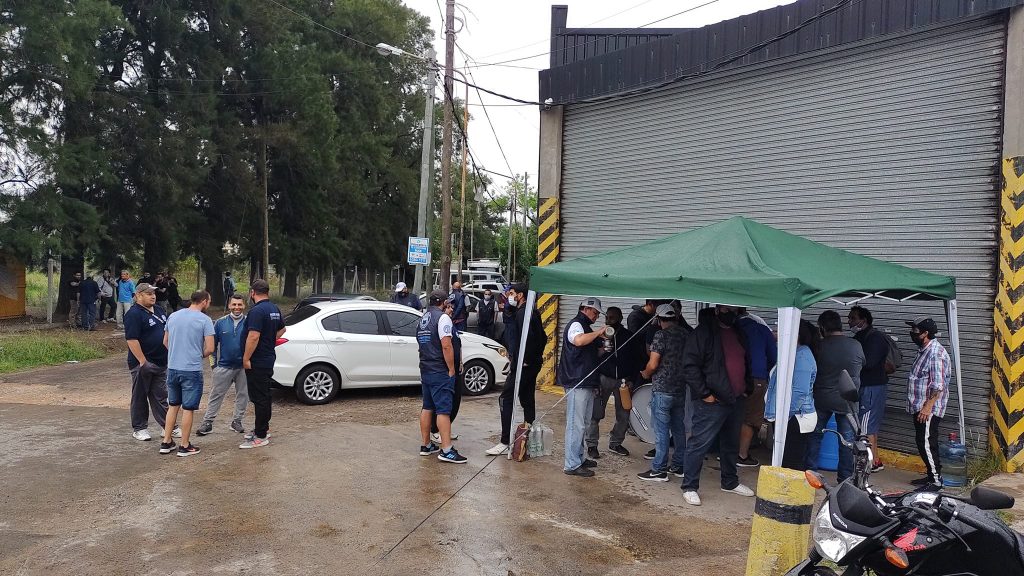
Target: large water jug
953 455
828 454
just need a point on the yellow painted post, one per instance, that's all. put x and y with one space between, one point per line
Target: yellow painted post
1006 428
548 245
781 531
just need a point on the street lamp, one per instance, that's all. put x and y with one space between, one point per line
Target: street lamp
427 153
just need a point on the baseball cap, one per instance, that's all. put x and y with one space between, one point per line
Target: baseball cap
592 303
924 324
399 287
438 296
666 311
145 288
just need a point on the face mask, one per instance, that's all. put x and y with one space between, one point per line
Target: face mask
917 339
487 298
512 303
857 327
235 316
727 318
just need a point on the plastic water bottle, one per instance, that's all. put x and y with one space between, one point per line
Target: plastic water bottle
534 447
547 440
953 455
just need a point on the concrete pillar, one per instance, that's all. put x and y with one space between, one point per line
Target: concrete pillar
1006 428
549 188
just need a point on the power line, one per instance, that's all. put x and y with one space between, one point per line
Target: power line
548 39
627 91
598 39
486 113
314 22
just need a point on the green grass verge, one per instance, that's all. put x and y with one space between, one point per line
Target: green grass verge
23 350
983 466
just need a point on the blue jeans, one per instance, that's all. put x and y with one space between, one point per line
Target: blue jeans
814 444
88 315
711 420
579 406
184 388
669 414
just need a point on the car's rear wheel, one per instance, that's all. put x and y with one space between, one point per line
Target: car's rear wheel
477 378
317 384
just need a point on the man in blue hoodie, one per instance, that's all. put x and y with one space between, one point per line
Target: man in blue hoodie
228 344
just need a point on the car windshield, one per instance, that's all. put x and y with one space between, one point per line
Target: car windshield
300 314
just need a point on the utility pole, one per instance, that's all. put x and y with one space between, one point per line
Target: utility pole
446 149
265 268
465 159
511 232
426 164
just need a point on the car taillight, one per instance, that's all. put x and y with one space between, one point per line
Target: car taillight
280 341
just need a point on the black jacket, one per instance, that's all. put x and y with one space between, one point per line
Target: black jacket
704 364
629 358
536 339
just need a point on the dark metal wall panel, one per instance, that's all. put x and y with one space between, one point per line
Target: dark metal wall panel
889 149
654 57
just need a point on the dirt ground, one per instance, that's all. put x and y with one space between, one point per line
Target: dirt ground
341 490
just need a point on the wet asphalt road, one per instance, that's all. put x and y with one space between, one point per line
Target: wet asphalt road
340 490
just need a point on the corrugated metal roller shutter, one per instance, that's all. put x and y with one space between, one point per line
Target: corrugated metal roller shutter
889 149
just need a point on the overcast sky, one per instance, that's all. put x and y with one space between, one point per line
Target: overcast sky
502 30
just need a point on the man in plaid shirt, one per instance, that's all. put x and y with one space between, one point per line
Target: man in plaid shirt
927 393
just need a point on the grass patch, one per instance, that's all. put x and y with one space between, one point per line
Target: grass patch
983 466
35 289
45 348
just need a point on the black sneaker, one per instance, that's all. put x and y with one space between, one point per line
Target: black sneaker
748 462
167 447
452 456
205 428
921 481
877 467
189 450
677 471
649 455
236 425
587 463
593 453
581 471
620 450
653 476
429 449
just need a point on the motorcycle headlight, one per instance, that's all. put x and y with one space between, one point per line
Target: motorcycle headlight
832 544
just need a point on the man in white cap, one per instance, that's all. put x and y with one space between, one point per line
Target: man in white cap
577 373
403 297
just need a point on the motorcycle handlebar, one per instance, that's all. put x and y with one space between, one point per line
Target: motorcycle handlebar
975 519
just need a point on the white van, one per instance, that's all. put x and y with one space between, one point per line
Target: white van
476 277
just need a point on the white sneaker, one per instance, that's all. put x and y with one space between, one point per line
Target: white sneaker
691 498
497 450
176 433
435 437
142 435
740 490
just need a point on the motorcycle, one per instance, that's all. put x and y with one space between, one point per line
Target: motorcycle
922 532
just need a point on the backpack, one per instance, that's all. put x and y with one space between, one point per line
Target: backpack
894 359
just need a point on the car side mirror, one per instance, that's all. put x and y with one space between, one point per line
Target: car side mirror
847 389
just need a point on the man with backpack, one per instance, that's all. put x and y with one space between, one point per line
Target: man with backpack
874 375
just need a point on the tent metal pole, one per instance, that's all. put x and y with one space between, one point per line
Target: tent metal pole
954 341
531 299
789 328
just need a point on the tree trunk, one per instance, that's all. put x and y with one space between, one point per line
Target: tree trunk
214 284
339 282
318 281
68 266
291 283
254 268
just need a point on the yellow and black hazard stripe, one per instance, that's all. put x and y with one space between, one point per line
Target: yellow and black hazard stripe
548 246
781 528
1006 430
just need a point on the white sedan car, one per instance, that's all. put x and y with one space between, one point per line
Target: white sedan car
367 344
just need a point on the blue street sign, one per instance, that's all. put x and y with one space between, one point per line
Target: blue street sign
419 251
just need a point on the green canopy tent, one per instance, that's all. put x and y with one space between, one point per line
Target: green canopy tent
744 263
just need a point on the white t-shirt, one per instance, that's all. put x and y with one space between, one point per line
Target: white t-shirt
444 327
575 329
